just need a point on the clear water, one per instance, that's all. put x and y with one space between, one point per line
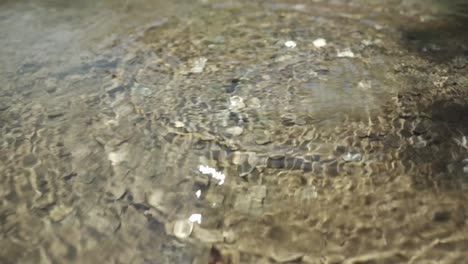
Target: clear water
220 132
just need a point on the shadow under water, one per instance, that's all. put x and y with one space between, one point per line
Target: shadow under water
440 36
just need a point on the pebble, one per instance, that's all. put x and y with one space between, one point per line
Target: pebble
117 191
238 157
105 221
179 124
290 44
465 169
4 105
283 58
29 160
51 85
347 53
242 203
199 65
281 256
258 192
59 213
195 218
116 157
51 89
319 43
216 199
208 236
459 62
254 160
213 173
218 40
54 113
235 131
307 193
183 229
201 180
441 216
364 85
366 42
145 91
155 199
350 157
288 119
255 103
263 139
114 86
229 236
236 103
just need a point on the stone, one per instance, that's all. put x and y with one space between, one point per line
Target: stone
195 218
459 62
179 124
117 190
441 216
236 103
302 120
319 43
262 138
242 203
114 86
258 192
51 89
276 161
235 131
229 236
352 157
63 152
254 103
183 229
156 200
59 213
144 91
54 113
201 180
421 126
208 236
238 157
465 169
288 119
233 85
364 85
87 177
29 160
448 111
103 221
254 159
198 65
283 256
4 105
116 157
306 194
218 40
347 53
215 199
217 175
290 44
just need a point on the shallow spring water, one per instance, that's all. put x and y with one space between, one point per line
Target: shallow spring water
232 132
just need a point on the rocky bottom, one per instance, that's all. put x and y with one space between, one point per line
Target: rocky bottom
271 136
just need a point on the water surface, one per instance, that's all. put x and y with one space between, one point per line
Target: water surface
221 132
